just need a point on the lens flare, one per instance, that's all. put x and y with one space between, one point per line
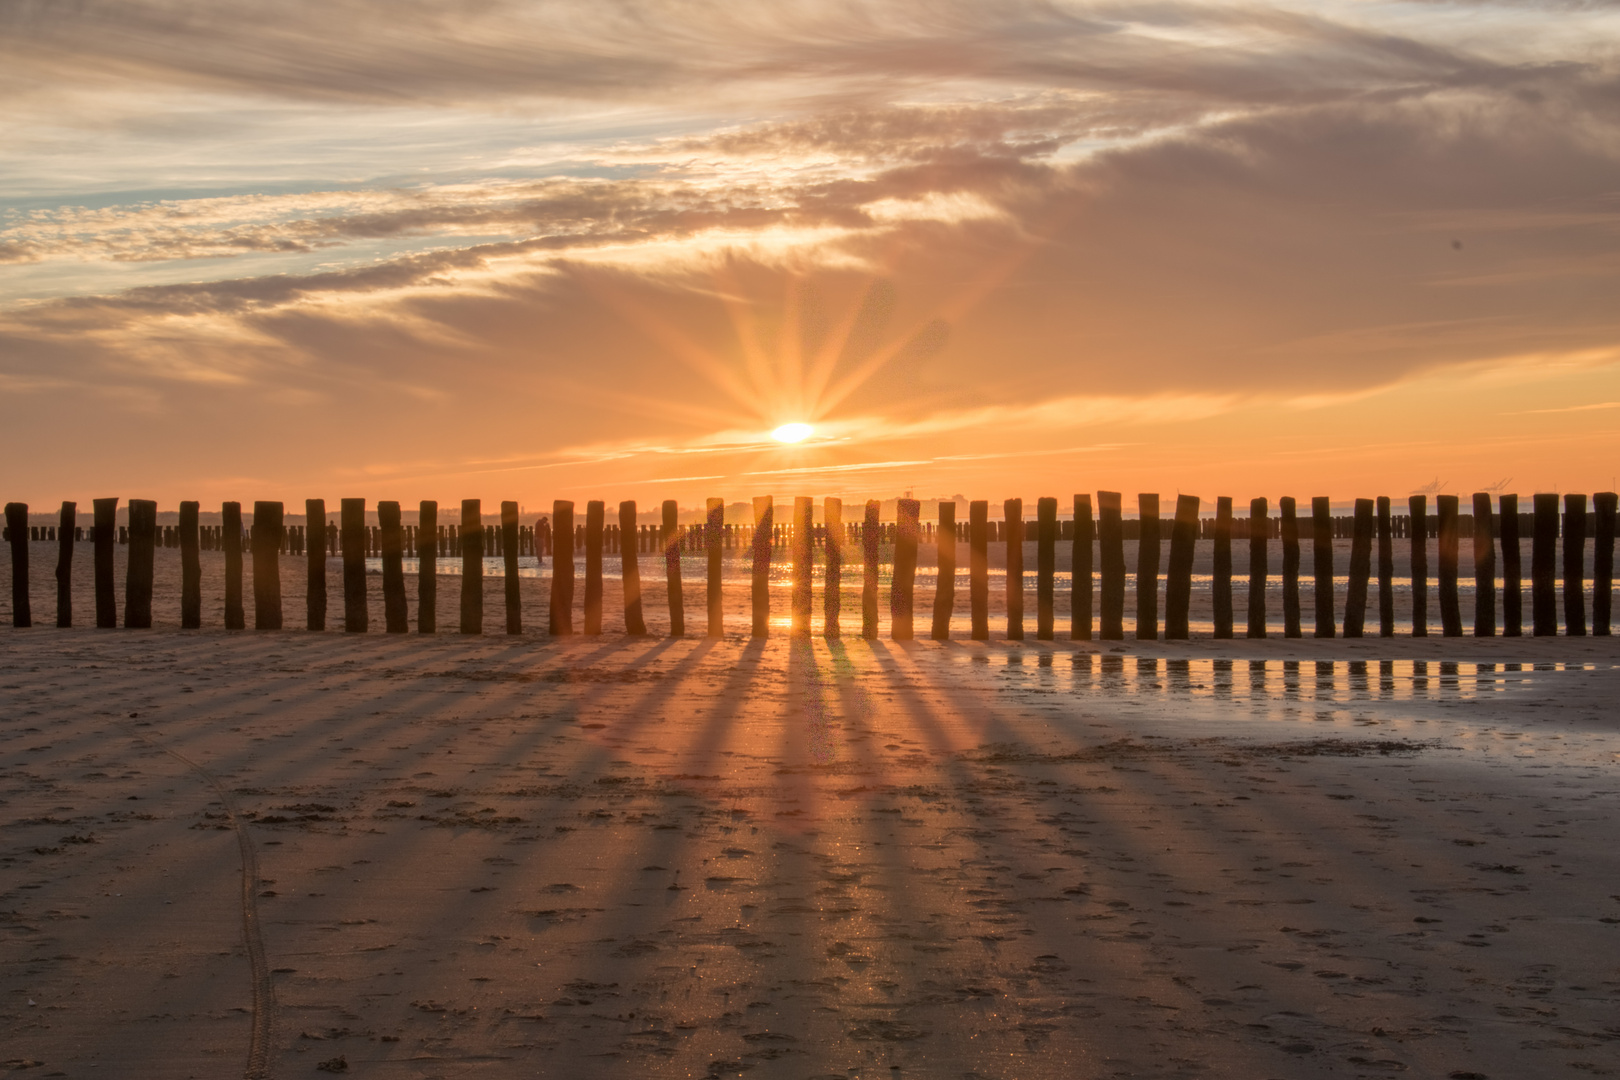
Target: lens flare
791 433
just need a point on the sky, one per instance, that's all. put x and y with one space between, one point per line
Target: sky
577 250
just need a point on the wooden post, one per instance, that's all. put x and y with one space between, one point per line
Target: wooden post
802 554
190 567
231 538
1603 508
1147 568
1544 567
1080 570
1111 555
427 566
871 537
979 568
1418 528
1012 524
1222 581
902 588
1450 612
1290 539
1046 535
1361 542
1512 567
945 581
510 546
315 564
1484 568
832 597
138 573
472 566
630 569
66 526
764 526
104 529
561 616
714 537
268 531
595 514
1259 566
22 614
396 617
352 535
1386 570
1322 564
1178 584
672 568
1575 565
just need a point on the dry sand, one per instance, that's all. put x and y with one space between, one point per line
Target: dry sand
617 857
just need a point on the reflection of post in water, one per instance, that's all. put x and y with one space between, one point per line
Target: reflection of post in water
1418 529
1012 521
1324 679
832 599
1178 584
1259 570
1221 679
1386 678
1420 676
1080 571
979 568
1358 678
1386 570
1290 574
1147 567
1290 678
1221 583
945 580
1111 553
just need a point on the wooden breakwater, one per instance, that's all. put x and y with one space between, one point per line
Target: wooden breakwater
1558 574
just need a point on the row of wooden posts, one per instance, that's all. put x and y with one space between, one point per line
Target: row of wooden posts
1372 523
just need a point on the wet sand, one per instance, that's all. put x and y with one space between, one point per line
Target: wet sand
616 857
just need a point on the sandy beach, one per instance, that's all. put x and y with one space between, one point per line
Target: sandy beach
617 857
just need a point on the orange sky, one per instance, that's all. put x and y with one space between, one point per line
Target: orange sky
524 251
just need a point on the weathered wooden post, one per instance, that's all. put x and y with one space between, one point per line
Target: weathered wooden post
1450 612
1259 566
396 616
871 537
802 554
1484 568
67 525
104 529
427 566
1111 555
352 535
902 588
1386 570
138 573
230 536
979 568
714 537
1046 535
1418 509
1080 570
945 581
764 526
1603 507
1322 564
1544 567
1178 583
1147 567
315 564
630 569
510 546
22 614
190 567
1361 542
672 568
268 532
1512 568
1290 573
561 616
595 513
1222 581
1575 565
1012 523
832 597
472 566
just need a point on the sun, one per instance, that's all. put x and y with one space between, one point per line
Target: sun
792 433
